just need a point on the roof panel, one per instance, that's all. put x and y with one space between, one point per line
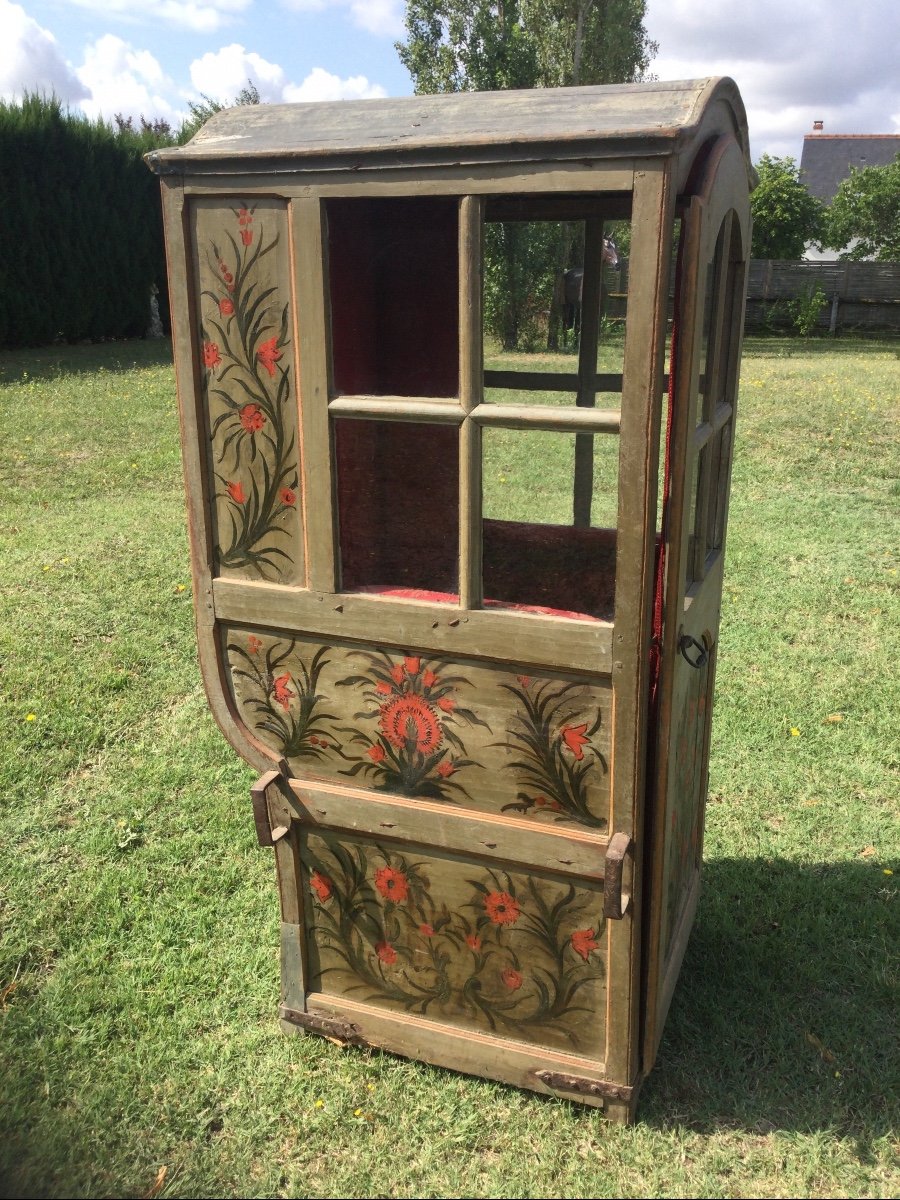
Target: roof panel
602 121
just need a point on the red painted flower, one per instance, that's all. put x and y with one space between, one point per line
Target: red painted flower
429 678
511 978
226 307
269 354
244 216
376 753
573 736
446 704
288 496
412 665
397 674
246 236
321 885
252 418
502 908
211 355
410 720
383 687
524 680
392 884
583 942
236 492
445 769
426 931
386 953
281 691
254 645
473 941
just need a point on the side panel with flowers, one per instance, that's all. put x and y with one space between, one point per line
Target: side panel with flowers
242 271
476 735
518 953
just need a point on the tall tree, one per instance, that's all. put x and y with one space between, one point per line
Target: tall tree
491 45
863 220
486 45
786 217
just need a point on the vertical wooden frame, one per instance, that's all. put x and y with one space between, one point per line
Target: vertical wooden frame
652 219
583 491
194 449
312 334
471 353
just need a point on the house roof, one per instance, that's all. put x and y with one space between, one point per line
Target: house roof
828 157
464 127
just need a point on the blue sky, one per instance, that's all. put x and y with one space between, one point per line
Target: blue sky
795 63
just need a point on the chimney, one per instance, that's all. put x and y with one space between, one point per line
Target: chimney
818 126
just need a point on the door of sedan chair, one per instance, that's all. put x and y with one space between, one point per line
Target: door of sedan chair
447 845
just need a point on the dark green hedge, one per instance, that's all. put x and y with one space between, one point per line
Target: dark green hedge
82 225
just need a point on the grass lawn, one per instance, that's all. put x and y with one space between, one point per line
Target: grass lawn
140 1053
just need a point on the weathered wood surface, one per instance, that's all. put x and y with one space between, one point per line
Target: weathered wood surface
475 945
651 117
468 734
528 639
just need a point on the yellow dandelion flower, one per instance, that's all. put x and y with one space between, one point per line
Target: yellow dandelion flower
795 732
31 717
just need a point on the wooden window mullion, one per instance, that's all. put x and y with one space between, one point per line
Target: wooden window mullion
471 393
583 488
312 334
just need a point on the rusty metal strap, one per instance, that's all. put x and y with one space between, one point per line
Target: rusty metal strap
558 1081
339 1031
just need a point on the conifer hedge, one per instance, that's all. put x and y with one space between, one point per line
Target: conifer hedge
82 225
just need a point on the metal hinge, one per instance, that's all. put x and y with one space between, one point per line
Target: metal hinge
265 834
615 904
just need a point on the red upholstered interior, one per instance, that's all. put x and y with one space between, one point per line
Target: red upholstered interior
393 268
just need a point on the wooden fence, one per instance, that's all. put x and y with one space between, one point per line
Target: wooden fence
858 295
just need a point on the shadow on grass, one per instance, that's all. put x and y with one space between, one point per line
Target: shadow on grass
51 362
785 1015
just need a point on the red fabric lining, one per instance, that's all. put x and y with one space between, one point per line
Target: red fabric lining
451 598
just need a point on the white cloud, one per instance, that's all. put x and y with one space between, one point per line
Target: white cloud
123 80
204 17
31 61
381 17
322 85
222 74
794 63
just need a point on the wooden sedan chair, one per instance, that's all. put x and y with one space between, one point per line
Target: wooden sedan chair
483 732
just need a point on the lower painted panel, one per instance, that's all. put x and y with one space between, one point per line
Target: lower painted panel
519 954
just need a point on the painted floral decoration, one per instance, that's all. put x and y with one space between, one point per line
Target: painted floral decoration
503 960
552 753
246 333
410 733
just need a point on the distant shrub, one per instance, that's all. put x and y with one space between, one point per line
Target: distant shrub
83 225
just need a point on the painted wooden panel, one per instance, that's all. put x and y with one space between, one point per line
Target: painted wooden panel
479 735
242 273
687 798
519 954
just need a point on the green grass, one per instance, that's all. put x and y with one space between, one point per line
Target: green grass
138 919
